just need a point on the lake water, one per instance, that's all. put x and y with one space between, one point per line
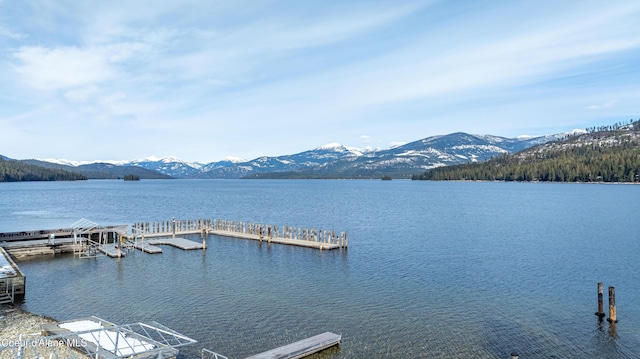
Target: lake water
433 269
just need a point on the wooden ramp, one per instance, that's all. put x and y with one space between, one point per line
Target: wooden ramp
302 348
181 243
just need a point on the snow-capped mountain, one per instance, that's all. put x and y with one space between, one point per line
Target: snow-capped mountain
171 166
418 156
335 160
307 159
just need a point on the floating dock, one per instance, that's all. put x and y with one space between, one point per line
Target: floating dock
302 348
177 242
111 250
146 247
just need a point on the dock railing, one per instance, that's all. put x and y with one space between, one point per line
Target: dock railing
266 232
208 354
8 293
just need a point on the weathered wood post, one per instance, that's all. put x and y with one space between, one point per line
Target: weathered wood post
600 312
612 306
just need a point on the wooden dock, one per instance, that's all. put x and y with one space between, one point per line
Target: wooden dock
86 238
111 250
177 242
146 247
303 237
302 348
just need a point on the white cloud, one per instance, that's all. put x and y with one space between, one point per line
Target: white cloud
608 104
62 68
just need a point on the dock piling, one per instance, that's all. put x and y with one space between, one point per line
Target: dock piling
612 306
600 312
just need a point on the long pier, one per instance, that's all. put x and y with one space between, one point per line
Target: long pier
304 237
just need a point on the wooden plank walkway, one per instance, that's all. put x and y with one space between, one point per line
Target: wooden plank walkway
302 348
178 242
278 240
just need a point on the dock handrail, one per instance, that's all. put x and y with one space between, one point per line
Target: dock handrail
212 355
8 292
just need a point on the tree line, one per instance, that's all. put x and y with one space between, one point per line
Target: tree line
603 156
633 125
17 171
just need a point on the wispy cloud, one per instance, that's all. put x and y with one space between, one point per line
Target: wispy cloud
44 68
608 104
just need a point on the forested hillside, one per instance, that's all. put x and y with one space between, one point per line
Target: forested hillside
604 154
15 171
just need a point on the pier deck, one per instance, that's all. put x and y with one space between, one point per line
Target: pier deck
177 242
302 348
278 240
111 250
146 247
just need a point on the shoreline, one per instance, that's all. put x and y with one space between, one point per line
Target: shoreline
17 321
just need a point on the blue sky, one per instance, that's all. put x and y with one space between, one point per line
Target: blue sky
204 80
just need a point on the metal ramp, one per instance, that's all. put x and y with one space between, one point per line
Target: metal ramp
100 341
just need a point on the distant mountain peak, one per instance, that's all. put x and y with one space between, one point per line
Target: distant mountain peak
60 161
333 146
234 159
171 159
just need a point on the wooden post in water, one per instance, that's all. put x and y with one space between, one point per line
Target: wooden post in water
514 355
612 305
600 312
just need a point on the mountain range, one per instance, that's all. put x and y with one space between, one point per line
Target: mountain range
329 161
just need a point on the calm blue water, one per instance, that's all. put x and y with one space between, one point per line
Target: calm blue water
434 270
